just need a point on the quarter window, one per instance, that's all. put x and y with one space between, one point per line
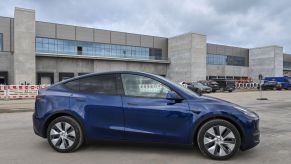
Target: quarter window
140 86
72 85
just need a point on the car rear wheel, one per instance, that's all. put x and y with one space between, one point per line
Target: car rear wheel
64 134
218 139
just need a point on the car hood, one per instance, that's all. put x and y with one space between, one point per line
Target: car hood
212 100
207 104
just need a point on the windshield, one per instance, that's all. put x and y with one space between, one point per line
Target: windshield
289 80
271 82
188 91
213 83
198 84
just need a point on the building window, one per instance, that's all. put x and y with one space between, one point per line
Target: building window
3 78
65 76
286 65
1 42
45 78
69 47
217 59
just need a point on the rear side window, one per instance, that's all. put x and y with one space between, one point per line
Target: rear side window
72 85
100 84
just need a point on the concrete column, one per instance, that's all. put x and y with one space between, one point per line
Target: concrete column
24 46
187 54
267 61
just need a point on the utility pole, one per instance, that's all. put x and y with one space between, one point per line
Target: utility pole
260 85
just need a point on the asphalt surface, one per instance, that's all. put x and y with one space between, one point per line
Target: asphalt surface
18 144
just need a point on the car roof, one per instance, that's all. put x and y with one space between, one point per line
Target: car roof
105 73
150 75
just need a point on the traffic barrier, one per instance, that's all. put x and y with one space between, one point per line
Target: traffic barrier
246 85
8 92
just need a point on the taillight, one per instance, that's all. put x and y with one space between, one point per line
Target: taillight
37 98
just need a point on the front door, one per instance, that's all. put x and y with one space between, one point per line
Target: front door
148 114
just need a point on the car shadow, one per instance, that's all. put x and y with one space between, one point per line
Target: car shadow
144 148
141 148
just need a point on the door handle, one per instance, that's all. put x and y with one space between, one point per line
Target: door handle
195 111
132 104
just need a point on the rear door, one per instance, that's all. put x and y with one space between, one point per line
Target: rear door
100 103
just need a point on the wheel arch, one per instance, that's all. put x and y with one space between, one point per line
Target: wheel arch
204 120
60 114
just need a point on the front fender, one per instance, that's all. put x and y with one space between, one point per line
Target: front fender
215 115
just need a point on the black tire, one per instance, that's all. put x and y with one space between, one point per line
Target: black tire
224 142
77 139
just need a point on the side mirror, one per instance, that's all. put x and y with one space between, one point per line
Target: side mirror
173 96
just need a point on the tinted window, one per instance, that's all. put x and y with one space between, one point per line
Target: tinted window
72 85
140 86
218 59
100 84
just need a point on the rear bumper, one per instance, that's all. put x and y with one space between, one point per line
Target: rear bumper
37 126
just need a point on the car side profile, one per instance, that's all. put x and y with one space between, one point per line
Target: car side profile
140 107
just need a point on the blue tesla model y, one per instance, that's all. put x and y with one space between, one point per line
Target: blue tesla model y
140 107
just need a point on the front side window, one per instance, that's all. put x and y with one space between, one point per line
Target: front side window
100 84
1 42
140 86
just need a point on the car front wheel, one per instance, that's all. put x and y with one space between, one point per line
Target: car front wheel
218 139
64 134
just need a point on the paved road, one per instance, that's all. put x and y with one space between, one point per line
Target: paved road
10 106
18 144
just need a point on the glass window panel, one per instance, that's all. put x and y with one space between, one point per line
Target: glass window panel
45 40
62 46
38 40
51 41
60 42
51 48
140 86
101 84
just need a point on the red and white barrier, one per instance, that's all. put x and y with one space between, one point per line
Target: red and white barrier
19 91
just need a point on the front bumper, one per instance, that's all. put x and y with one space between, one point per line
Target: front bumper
252 135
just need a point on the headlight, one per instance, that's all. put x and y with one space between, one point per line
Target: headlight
246 112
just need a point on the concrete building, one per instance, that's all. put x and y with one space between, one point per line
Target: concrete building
38 52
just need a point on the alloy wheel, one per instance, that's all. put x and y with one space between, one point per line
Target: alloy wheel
62 135
219 141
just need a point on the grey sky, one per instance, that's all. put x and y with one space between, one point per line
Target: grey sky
245 23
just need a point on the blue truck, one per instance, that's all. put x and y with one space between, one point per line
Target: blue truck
285 81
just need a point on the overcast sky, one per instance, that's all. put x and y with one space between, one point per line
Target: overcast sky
244 23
